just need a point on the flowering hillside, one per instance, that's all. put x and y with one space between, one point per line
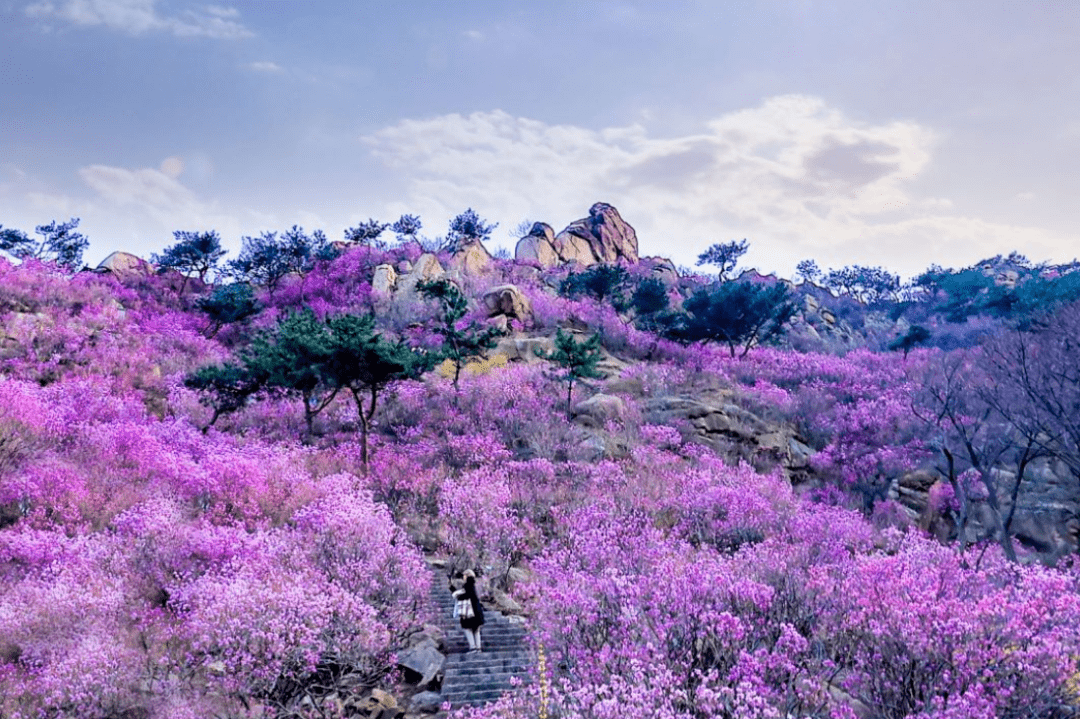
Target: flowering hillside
219 503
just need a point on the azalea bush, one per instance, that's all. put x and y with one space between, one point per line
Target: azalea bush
149 568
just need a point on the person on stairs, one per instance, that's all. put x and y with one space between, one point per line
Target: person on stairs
468 610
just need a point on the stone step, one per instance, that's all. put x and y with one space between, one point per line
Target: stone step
480 678
455 631
493 681
481 670
475 697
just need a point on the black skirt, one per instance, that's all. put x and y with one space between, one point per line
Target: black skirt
472 622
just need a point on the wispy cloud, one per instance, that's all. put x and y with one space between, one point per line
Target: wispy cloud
265 66
136 17
156 195
797 177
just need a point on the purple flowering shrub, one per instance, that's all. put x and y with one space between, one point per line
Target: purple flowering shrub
145 564
148 569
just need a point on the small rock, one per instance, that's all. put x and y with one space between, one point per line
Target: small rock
499 322
426 702
601 407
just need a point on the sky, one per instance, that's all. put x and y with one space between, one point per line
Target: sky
871 132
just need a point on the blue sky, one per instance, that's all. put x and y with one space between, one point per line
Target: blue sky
884 133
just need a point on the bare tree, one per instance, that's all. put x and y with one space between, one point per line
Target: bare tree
954 400
1037 384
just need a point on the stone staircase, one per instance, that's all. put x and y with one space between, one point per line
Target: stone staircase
475 679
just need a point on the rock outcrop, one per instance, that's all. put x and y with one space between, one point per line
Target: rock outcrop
384 280
1047 517
124 265
603 236
471 258
427 267
732 431
538 246
507 300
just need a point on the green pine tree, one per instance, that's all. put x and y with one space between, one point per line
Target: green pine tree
460 344
577 359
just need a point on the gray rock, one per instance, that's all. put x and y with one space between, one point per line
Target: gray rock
575 249
124 265
427 267
425 702
423 659
601 407
664 270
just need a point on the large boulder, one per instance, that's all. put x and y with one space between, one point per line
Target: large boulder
422 663
538 246
604 232
384 280
599 409
427 267
471 258
124 265
663 269
507 300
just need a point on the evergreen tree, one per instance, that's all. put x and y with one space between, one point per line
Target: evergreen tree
267 259
650 298
363 362
227 304
407 228
225 388
738 313
290 359
367 233
600 282
725 256
577 359
194 253
916 335
466 227
58 243
459 344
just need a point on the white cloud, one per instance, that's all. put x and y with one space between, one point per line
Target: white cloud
1025 196
265 66
796 177
152 198
473 35
136 17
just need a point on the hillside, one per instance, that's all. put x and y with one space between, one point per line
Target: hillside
238 489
